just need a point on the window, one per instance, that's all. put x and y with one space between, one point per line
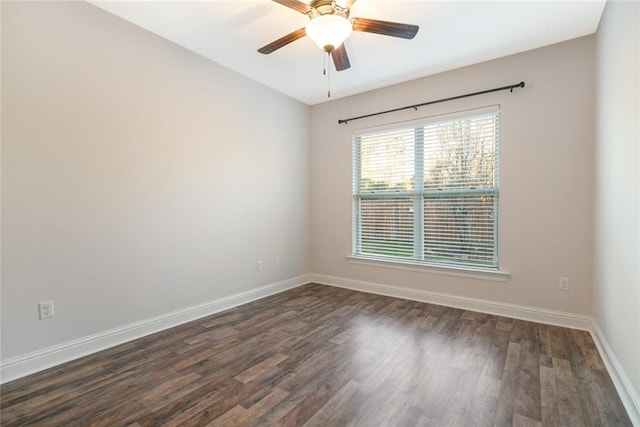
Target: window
428 192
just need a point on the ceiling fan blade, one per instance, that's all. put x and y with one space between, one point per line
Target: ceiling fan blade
386 28
295 5
283 41
340 58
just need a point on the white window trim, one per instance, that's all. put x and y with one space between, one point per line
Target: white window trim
446 270
489 273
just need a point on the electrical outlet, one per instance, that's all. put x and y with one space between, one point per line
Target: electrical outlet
277 261
563 284
259 266
330 256
46 309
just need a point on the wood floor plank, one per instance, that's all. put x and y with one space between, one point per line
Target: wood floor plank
312 402
527 396
319 356
482 412
549 413
221 402
261 369
303 402
239 416
336 411
566 393
506 402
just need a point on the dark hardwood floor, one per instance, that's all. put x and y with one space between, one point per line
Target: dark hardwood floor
325 356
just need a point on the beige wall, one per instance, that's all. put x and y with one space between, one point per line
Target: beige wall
616 297
546 178
137 177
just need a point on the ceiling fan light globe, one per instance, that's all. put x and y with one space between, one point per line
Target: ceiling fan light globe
329 31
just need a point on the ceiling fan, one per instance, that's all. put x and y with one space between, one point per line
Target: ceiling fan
329 27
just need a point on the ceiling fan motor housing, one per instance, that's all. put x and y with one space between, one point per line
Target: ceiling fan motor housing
327 7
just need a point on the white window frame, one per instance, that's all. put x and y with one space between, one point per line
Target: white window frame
419 194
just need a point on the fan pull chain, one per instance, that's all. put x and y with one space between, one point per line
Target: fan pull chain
329 75
324 65
326 71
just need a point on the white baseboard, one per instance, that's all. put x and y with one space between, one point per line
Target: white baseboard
26 364
533 314
628 394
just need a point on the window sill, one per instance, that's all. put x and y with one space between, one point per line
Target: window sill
466 272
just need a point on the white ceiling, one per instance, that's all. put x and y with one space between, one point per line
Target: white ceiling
452 34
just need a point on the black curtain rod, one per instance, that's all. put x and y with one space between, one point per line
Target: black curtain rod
415 107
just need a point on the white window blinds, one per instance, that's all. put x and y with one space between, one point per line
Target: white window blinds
429 192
